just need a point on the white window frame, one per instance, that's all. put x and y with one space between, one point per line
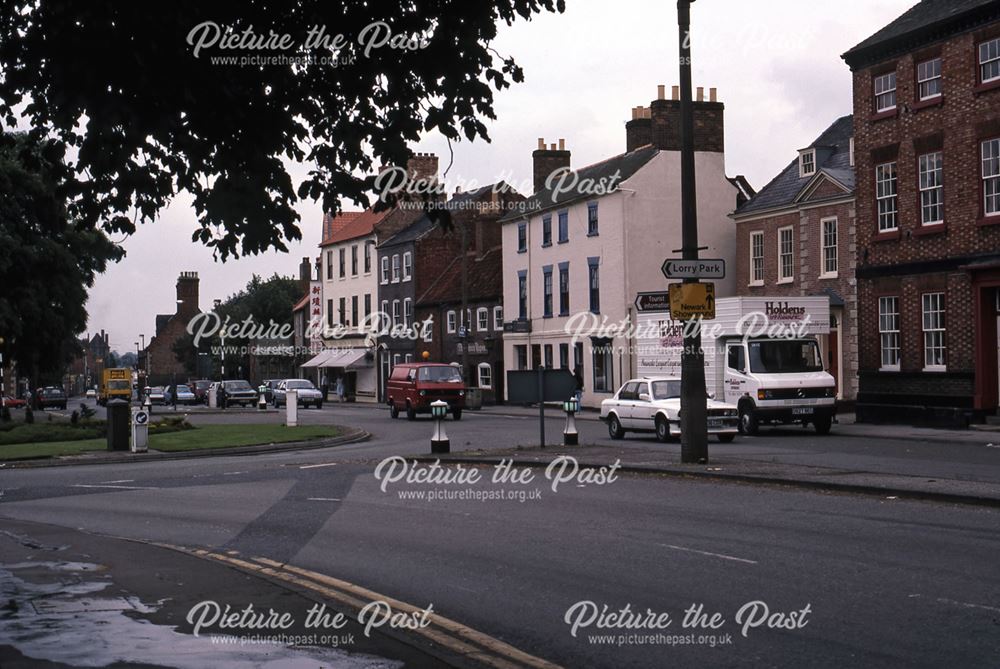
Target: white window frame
888 330
408 357
807 163
882 183
925 77
989 56
931 184
395 268
396 359
488 375
790 277
383 315
384 277
396 313
990 173
498 318
451 321
850 147
407 266
828 247
407 312
932 322
482 319
754 265
884 87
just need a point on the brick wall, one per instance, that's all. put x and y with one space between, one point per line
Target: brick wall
917 259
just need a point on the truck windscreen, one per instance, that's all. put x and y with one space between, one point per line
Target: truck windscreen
781 356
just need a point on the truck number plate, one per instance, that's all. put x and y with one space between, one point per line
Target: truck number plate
805 411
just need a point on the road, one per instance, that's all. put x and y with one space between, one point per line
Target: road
882 582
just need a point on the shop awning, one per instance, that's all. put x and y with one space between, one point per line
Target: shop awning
347 357
319 358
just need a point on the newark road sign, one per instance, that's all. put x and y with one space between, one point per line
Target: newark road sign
692 300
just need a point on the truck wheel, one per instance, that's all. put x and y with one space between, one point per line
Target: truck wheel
615 429
748 421
456 414
411 413
726 438
823 423
393 410
662 429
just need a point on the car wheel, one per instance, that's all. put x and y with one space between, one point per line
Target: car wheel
726 438
748 421
456 414
319 405
393 410
823 424
662 429
411 413
615 429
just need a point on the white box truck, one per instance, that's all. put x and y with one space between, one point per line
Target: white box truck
761 354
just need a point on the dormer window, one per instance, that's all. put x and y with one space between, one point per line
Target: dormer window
807 162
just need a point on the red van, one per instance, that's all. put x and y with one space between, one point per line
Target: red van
414 385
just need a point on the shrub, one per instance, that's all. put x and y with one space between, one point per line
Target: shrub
74 418
29 415
5 415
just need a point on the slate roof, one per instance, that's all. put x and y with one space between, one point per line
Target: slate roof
410 233
785 188
484 277
625 164
926 21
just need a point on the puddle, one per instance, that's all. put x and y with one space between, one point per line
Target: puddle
66 620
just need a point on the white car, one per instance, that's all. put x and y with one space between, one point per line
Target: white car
653 404
306 392
91 394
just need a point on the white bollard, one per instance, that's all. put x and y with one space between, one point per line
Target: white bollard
570 436
291 408
439 440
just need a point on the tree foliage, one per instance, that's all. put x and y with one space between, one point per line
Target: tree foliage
119 82
47 260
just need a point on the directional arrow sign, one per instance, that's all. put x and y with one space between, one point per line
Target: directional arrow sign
703 268
141 417
692 300
652 302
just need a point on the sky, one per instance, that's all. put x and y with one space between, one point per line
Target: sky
776 65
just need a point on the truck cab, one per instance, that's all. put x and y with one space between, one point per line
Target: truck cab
778 380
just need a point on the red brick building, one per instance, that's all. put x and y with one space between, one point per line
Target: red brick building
159 357
796 237
927 159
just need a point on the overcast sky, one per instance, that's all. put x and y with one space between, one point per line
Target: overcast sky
776 65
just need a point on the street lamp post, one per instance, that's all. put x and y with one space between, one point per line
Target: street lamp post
694 428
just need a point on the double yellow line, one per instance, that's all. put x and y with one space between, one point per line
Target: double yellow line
470 644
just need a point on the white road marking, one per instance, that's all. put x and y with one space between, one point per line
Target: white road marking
325 464
232 473
120 481
944 600
323 499
117 487
718 555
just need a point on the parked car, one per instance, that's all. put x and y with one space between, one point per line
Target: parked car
13 403
91 394
184 395
51 397
200 390
239 392
413 386
307 393
653 404
156 394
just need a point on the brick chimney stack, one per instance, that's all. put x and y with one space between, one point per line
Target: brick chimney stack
545 161
638 131
187 293
665 121
305 274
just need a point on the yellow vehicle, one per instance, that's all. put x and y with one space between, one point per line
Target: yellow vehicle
115 383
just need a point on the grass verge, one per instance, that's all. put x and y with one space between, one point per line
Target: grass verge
204 437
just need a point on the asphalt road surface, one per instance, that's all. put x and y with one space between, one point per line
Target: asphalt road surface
797 578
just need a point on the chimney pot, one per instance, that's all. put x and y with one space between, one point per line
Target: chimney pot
562 144
701 94
552 146
661 92
541 143
675 92
712 95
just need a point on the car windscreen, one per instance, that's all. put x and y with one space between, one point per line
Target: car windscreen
52 391
664 390
439 375
202 385
238 385
780 356
298 384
